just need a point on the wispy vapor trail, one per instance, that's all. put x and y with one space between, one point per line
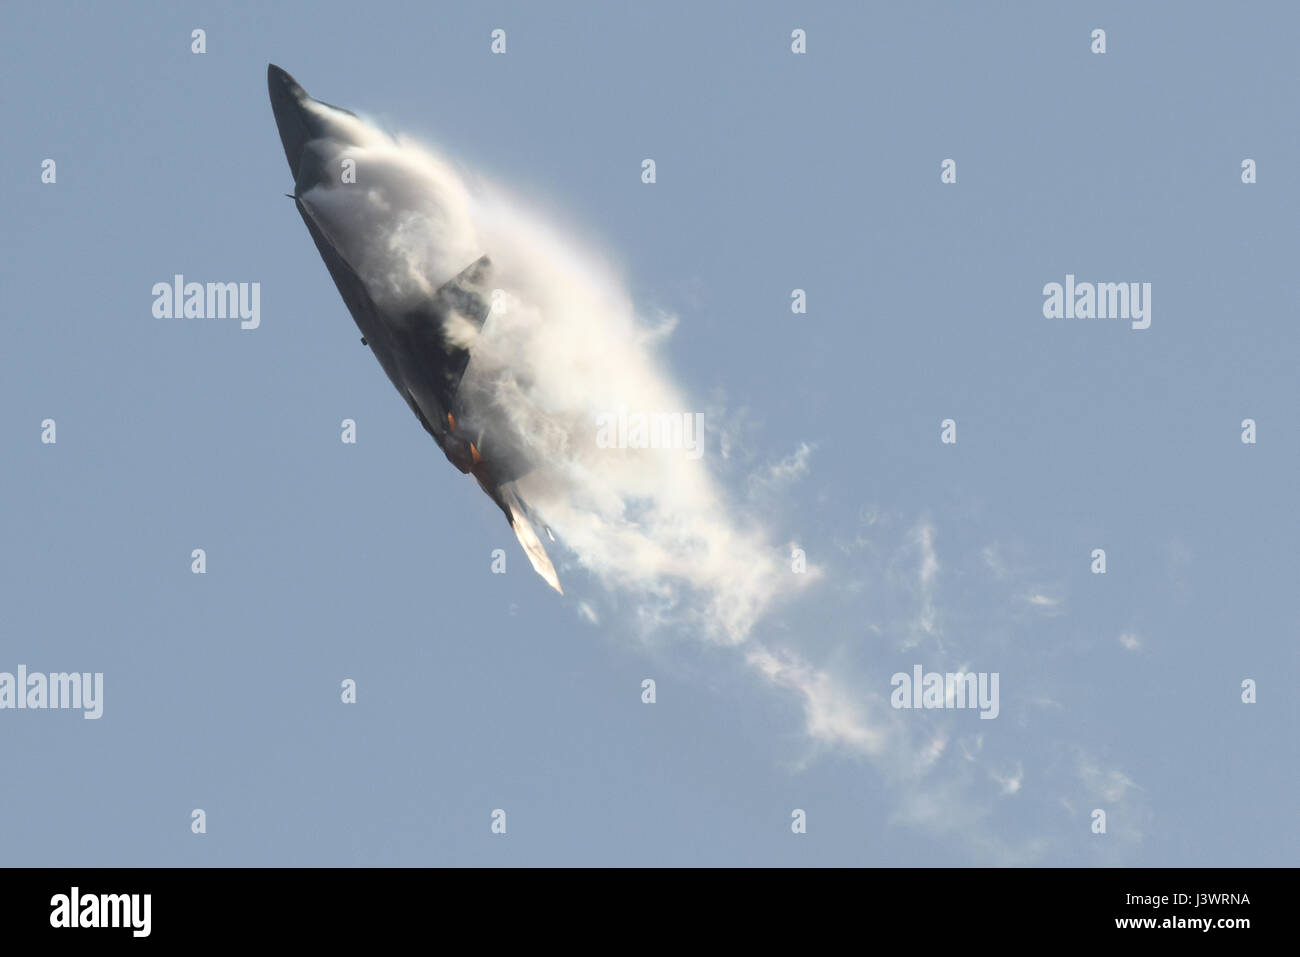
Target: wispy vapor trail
673 549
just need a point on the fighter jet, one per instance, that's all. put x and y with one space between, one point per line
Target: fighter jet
424 342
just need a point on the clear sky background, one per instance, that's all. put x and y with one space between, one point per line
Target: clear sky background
775 171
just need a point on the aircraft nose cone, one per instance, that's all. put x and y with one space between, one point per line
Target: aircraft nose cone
287 99
280 80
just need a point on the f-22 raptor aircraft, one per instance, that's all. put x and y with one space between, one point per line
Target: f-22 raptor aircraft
420 343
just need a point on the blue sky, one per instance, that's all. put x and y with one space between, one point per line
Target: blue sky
476 691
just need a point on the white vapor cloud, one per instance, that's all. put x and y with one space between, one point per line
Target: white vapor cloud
564 345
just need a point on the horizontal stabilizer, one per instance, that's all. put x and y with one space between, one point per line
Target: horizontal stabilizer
532 545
